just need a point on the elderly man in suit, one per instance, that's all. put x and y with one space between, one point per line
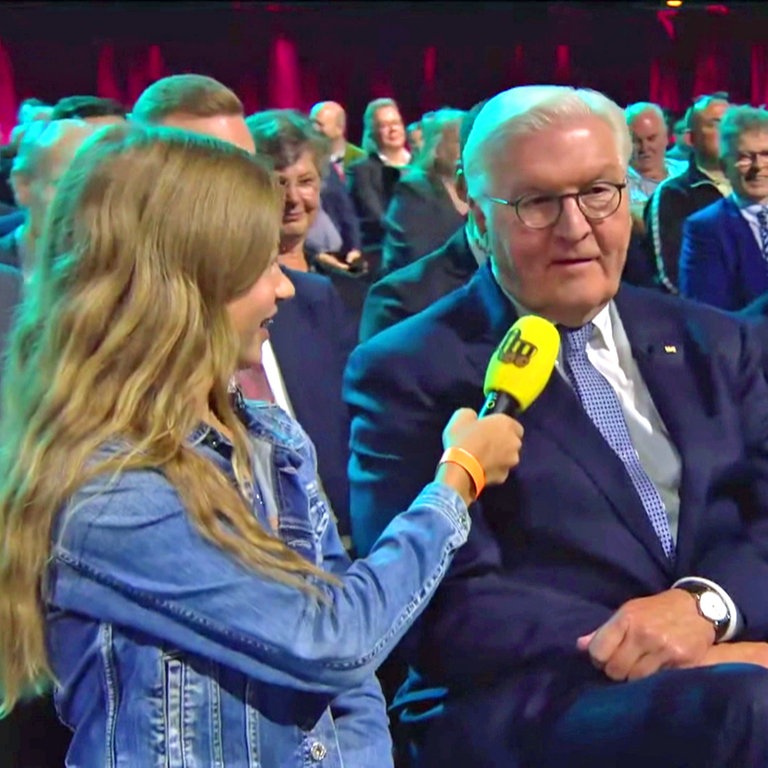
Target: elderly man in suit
590 619
724 256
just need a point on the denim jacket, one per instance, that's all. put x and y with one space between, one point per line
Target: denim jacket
169 652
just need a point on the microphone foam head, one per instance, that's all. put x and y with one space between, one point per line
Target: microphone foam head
523 362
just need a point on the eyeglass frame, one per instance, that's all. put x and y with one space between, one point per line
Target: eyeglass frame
748 160
619 187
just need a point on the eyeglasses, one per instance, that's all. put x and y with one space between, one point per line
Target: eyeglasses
537 211
748 159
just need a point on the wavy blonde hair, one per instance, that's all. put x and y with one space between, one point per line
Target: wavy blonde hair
123 332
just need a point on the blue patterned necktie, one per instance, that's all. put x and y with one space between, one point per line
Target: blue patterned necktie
762 220
603 407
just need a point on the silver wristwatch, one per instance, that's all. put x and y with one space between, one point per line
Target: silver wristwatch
711 606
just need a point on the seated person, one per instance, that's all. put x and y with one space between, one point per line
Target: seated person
724 256
372 181
91 109
593 618
180 561
299 155
334 237
408 290
426 208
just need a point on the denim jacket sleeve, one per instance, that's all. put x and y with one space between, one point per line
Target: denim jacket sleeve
130 555
359 713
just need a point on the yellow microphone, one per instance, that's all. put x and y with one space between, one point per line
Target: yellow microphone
521 366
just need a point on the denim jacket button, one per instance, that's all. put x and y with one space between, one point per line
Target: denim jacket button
317 751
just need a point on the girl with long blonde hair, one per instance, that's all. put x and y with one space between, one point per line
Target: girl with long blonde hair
167 559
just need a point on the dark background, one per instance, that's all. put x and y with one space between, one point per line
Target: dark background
424 54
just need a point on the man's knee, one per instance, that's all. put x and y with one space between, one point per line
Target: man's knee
740 691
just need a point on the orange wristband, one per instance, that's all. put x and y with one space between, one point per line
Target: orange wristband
468 463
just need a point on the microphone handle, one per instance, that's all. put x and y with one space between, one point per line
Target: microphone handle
500 402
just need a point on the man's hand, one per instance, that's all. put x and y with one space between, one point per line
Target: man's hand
736 653
648 634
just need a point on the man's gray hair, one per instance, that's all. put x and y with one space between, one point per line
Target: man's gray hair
525 109
633 111
738 120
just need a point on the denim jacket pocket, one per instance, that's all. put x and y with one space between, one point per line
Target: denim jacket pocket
188 691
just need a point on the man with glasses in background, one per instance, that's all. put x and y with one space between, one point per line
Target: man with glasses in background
590 617
724 256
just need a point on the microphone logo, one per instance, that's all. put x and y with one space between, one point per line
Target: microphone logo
515 349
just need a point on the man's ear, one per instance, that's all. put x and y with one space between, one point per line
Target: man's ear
688 138
478 215
20 185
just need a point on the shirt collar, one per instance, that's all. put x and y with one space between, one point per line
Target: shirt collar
750 206
384 159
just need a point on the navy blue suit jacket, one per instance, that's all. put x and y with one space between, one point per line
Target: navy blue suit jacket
312 336
720 260
565 541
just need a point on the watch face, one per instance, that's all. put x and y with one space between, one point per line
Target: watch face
713 607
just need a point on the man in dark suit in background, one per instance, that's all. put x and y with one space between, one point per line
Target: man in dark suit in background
678 197
724 256
588 619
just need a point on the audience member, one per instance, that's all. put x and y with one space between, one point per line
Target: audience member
426 209
414 136
649 164
619 561
299 155
179 564
91 109
724 257
677 197
371 181
30 111
330 119
43 156
680 149
410 289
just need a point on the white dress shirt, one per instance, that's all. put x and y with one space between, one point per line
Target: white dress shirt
275 378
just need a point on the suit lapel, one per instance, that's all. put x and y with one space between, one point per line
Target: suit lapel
740 233
558 413
671 359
